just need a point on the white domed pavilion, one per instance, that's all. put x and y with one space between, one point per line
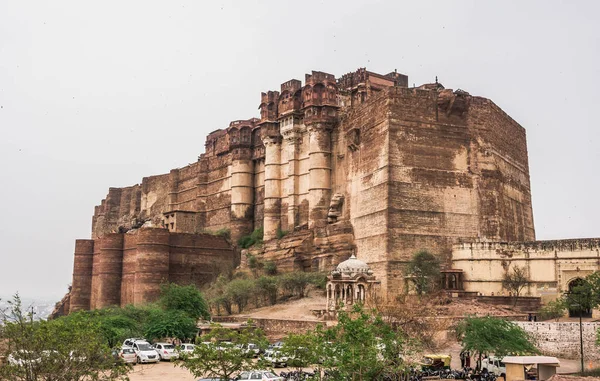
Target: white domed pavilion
351 282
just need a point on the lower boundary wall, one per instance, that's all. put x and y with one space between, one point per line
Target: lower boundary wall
561 339
274 328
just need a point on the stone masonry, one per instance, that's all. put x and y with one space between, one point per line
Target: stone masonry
561 339
360 163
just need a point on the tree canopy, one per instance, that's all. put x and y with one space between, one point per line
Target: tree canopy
490 335
71 349
184 298
515 281
223 352
423 271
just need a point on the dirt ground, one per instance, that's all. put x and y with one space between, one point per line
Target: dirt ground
160 372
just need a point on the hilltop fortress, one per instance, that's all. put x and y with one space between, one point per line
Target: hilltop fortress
361 163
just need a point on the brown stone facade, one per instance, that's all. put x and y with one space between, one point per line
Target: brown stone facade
128 268
360 162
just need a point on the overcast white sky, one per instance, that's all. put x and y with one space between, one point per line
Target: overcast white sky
100 94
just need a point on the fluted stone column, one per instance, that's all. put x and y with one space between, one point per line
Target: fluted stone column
319 174
290 148
272 220
242 198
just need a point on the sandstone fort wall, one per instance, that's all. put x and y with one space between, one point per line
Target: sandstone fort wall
359 164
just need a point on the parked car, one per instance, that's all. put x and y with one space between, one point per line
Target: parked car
276 345
249 350
127 354
165 351
264 375
494 365
129 342
144 352
186 349
275 357
23 358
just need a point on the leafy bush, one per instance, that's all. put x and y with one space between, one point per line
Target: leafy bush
184 298
553 310
270 268
255 238
239 291
281 233
268 287
225 232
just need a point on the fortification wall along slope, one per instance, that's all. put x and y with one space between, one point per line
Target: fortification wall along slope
357 163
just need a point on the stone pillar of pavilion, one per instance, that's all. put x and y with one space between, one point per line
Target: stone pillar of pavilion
351 282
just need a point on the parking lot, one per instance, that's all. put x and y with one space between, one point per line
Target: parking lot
167 371
160 372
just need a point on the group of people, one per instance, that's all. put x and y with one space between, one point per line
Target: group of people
465 359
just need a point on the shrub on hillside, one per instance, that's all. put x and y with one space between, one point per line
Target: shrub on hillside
255 238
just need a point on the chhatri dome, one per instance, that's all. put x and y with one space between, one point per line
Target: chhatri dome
353 265
351 281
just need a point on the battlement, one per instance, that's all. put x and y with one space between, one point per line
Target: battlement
579 244
292 86
269 96
251 123
318 77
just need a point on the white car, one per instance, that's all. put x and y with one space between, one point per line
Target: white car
144 352
186 349
128 355
23 357
251 349
129 342
264 375
276 358
165 351
494 365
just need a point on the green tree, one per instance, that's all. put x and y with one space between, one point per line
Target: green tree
267 287
554 309
302 350
297 282
226 353
423 271
585 295
362 347
169 323
114 323
184 298
515 281
62 349
239 291
490 335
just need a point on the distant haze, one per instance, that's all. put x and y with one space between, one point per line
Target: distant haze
100 94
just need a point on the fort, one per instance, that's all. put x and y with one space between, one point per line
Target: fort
361 164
